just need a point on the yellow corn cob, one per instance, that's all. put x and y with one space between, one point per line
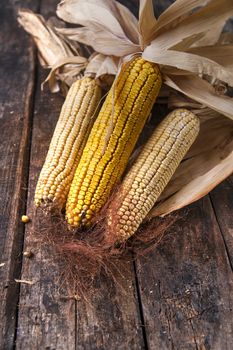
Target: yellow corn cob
112 139
73 127
151 173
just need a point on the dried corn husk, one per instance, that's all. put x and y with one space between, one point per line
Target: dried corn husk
54 51
52 46
173 41
64 57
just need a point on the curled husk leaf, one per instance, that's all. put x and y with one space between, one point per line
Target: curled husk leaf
64 57
177 40
54 50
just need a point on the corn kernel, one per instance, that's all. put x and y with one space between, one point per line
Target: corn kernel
155 164
25 219
106 153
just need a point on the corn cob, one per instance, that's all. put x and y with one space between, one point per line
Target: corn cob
73 127
151 173
112 139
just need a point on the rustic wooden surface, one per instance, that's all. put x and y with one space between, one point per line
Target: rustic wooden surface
179 297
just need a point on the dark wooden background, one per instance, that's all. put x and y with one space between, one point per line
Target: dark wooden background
180 297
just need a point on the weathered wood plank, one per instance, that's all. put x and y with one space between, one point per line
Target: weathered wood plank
46 319
42 320
16 98
113 322
222 201
186 286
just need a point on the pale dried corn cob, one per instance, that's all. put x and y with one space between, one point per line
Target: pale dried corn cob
112 139
73 127
150 173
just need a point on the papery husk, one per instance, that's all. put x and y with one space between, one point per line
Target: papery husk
54 50
52 47
104 26
67 70
222 54
203 92
100 64
65 57
101 40
147 22
189 62
202 20
173 40
104 68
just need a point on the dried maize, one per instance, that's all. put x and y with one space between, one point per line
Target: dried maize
112 139
151 172
73 127
25 219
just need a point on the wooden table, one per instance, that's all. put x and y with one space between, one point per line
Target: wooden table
180 297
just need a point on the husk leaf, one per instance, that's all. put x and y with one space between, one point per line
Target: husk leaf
168 41
50 45
175 13
201 21
66 69
129 22
63 55
54 50
222 54
105 24
100 65
147 21
202 92
189 62
101 40
204 172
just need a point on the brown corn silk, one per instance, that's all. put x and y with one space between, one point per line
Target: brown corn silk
150 174
73 127
112 139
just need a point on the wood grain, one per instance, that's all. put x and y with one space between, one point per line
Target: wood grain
186 286
17 86
222 201
43 321
48 318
